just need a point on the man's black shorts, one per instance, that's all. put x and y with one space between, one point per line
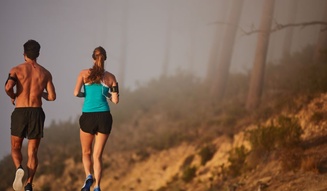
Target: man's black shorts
93 122
27 122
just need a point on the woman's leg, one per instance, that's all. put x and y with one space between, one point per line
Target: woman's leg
86 143
100 142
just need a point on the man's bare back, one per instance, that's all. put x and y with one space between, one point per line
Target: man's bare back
32 80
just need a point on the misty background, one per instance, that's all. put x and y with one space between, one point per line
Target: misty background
143 34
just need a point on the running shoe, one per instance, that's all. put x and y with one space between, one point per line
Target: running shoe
18 182
97 189
88 183
28 187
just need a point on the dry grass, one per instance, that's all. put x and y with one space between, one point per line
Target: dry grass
309 164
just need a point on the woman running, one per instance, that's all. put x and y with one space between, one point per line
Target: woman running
96 120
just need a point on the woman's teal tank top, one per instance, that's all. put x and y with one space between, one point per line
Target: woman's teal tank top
95 98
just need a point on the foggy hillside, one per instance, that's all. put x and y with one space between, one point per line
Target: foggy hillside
197 144
143 38
215 94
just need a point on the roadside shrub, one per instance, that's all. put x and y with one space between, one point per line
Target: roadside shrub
263 138
287 133
206 153
187 162
189 173
236 159
284 137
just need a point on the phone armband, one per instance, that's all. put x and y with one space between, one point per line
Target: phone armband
114 89
11 78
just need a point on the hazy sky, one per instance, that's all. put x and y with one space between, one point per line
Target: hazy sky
69 30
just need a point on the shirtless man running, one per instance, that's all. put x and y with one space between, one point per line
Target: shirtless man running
33 82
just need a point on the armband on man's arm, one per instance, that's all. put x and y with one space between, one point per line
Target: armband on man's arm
11 78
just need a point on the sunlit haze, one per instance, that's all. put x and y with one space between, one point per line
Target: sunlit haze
142 33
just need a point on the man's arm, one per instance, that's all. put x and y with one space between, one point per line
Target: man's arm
9 86
50 94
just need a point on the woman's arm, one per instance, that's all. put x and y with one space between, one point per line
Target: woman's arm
78 86
113 85
114 92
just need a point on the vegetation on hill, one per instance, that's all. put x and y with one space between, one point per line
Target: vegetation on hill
172 110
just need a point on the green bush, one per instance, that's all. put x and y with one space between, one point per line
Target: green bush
290 132
284 137
236 159
287 133
187 162
206 153
189 173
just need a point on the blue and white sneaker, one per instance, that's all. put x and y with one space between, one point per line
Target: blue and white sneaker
87 183
18 182
97 189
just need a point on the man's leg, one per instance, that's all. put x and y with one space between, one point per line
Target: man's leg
32 162
16 154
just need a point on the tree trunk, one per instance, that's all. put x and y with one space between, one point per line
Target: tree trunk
165 63
289 32
257 74
214 51
320 54
122 68
226 51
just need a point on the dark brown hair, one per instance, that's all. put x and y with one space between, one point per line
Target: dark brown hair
102 52
97 71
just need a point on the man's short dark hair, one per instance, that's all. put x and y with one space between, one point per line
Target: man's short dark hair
32 49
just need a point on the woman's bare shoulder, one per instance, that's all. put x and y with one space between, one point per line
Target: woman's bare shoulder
110 75
84 71
110 78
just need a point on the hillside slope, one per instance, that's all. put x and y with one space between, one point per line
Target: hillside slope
170 170
177 138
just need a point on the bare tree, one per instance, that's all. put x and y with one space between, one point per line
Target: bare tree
320 53
193 28
122 68
257 74
289 32
214 51
278 26
226 51
165 63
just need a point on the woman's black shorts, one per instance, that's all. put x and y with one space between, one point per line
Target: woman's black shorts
93 122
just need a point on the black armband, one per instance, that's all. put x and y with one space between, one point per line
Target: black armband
11 78
114 89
